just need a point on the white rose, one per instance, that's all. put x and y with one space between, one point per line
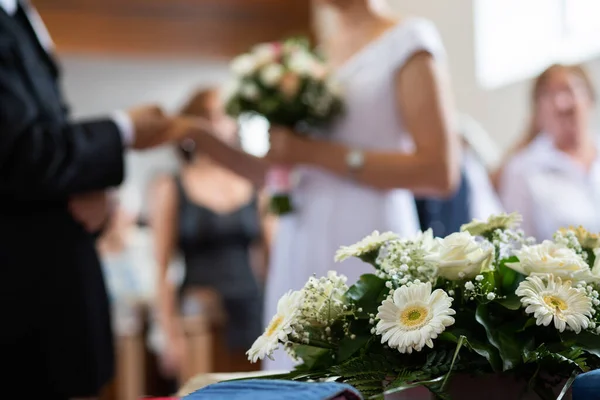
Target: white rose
244 65
249 91
460 256
264 53
301 63
271 74
549 258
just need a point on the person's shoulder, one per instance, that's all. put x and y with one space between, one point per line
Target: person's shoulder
413 35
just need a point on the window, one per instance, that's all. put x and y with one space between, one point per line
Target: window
516 39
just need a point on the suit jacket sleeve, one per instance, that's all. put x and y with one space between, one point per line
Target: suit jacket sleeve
43 159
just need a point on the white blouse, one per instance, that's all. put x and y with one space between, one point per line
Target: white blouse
551 190
483 199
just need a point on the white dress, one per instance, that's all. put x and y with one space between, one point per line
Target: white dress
550 190
331 211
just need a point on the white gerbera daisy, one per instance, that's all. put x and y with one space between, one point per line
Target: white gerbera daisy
500 221
555 300
413 316
279 328
371 243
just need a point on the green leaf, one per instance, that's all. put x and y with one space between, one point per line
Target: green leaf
489 281
448 336
366 293
508 278
587 341
313 357
400 387
512 302
348 347
370 257
530 322
504 340
487 351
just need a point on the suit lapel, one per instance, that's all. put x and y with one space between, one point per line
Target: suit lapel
41 32
17 32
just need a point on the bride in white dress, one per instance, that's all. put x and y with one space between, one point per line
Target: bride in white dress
396 133
396 137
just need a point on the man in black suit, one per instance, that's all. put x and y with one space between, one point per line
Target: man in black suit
55 335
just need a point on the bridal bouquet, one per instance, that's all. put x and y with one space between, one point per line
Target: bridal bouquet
289 85
485 300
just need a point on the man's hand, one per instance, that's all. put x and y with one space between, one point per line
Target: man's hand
153 127
150 125
91 210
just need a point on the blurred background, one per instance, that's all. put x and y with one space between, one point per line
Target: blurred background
119 53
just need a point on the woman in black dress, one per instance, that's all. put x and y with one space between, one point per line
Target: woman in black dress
212 217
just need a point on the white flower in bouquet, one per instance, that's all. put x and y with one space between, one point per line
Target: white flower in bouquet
265 53
550 299
302 63
549 258
500 221
585 238
271 74
249 91
325 299
413 316
288 310
243 65
367 245
426 241
403 260
460 256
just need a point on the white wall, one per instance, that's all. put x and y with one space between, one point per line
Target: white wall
99 85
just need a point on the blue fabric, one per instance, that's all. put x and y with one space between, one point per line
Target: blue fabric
258 389
587 386
445 216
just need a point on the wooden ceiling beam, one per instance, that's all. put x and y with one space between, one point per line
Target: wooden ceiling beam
208 28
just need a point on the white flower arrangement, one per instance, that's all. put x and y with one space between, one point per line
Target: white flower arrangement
484 300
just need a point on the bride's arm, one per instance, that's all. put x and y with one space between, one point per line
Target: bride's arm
238 161
433 169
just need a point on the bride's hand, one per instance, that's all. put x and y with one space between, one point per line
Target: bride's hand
189 128
287 148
